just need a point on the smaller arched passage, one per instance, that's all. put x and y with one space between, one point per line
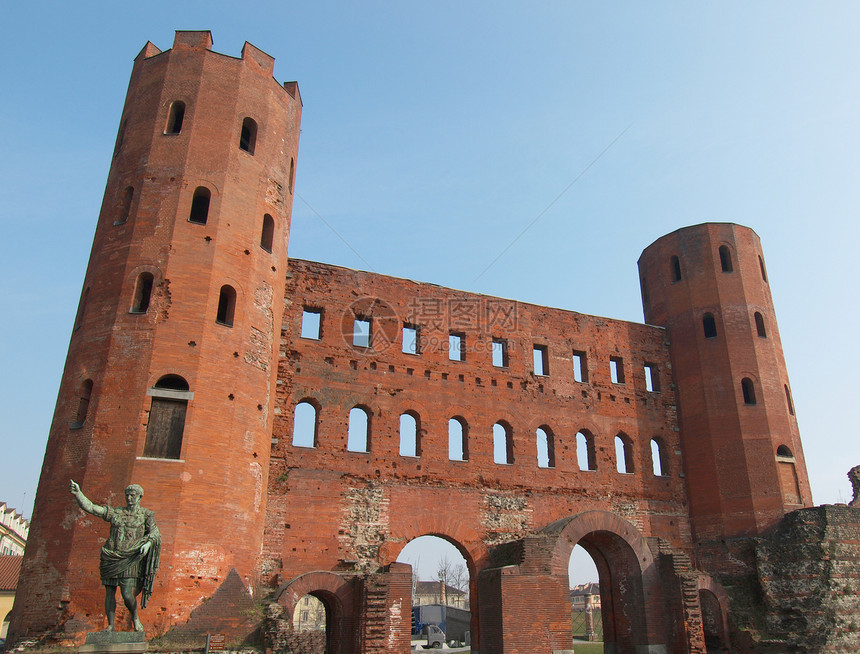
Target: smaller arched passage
340 596
627 572
714 603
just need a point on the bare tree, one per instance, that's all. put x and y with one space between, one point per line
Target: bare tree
452 574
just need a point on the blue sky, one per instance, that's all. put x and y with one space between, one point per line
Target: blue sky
434 133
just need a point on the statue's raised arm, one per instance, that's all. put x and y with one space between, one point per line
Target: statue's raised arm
84 502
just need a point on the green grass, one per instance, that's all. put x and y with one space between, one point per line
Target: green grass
588 648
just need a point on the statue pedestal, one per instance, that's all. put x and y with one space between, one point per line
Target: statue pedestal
114 642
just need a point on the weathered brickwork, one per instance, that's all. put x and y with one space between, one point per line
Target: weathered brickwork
331 416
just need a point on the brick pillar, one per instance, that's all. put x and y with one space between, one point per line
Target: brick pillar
524 612
387 610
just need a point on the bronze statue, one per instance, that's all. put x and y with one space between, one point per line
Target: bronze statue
129 558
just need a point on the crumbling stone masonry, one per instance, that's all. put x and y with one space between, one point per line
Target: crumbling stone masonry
296 424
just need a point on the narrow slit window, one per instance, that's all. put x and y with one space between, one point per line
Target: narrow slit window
585 452
311 323
541 360
503 446
410 339
652 378
748 390
709 325
761 267
788 400
659 462
624 454
82 308
200 206
410 435
458 430
725 258
616 370
248 136
267 235
120 137
759 325
292 173
580 366
84 394
175 117
142 293
545 443
358 436
675 268
361 332
500 353
226 306
456 346
125 206
305 425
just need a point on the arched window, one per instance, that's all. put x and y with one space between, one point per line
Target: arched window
675 268
759 325
458 439
783 451
410 435
200 206
545 447
725 258
788 400
268 233
761 267
358 436
585 452
175 117
305 425
125 206
84 394
503 445
170 397
709 325
142 293
624 454
226 306
748 390
248 136
659 460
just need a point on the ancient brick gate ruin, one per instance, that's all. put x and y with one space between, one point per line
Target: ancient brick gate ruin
296 424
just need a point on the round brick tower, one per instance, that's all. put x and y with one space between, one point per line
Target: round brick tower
743 460
171 370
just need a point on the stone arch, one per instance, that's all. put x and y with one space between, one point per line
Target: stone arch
714 603
458 533
628 575
340 597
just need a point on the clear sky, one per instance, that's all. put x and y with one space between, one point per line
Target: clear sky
433 134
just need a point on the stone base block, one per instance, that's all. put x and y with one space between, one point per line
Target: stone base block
114 642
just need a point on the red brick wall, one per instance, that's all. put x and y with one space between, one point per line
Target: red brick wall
333 509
